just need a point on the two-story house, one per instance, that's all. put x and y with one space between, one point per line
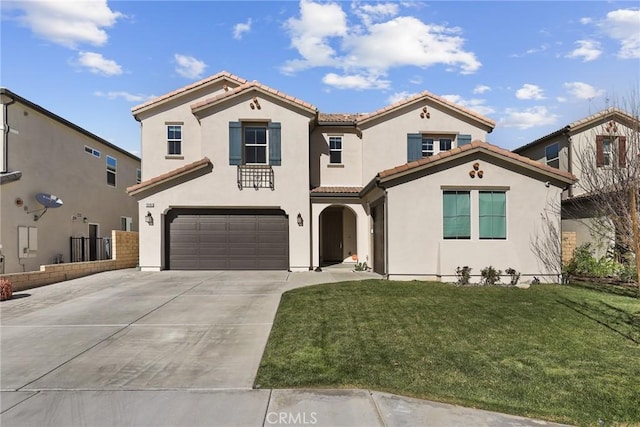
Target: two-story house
238 175
79 176
597 147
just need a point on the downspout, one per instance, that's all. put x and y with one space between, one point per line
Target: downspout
5 135
570 161
386 234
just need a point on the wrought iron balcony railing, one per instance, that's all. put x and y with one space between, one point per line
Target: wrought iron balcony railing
255 176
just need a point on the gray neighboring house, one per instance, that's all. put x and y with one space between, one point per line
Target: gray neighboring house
239 175
600 138
43 153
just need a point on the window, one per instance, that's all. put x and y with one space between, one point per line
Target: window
456 212
126 223
492 210
445 144
335 149
434 145
427 147
174 139
255 145
551 153
606 152
138 176
608 147
92 151
112 166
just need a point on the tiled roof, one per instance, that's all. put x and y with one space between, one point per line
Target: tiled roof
249 86
347 118
222 74
477 145
191 167
336 190
432 97
601 115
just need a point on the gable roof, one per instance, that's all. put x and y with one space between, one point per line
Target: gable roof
169 176
474 147
434 98
586 122
254 85
223 75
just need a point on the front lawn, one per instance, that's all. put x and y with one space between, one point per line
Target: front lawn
561 353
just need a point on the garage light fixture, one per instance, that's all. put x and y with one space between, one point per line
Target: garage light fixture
300 221
148 218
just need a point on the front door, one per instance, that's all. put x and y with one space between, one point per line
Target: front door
377 213
332 235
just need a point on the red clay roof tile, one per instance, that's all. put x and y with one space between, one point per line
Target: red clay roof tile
169 175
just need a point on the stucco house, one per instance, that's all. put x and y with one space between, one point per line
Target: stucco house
596 143
237 175
42 153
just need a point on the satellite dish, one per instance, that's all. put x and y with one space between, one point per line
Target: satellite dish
48 201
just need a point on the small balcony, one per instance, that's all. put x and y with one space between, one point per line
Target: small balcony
255 176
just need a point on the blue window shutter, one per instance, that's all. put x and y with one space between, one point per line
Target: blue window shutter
274 144
464 140
414 146
235 143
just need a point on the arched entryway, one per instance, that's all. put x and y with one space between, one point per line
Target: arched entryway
338 235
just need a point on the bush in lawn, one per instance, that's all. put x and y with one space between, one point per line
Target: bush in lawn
490 276
463 274
584 263
6 291
515 276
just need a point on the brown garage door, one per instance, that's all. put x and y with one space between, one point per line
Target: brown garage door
227 240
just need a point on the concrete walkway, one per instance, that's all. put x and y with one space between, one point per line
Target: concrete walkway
130 348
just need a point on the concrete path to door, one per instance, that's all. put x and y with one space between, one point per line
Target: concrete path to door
131 348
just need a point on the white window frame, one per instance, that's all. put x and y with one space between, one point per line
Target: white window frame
113 171
607 150
336 138
436 141
92 151
138 176
553 159
173 141
257 125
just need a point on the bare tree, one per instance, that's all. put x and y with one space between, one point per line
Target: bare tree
609 180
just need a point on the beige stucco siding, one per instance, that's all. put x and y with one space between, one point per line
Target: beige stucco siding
52 159
219 188
349 172
385 142
416 247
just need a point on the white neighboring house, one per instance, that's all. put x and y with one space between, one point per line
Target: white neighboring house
243 176
44 153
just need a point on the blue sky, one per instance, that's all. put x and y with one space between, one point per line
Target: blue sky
533 67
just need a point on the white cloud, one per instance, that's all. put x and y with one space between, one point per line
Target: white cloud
585 21
355 81
188 66
528 118
529 91
561 99
480 89
588 50
400 96
241 28
129 97
474 104
98 64
323 37
582 90
68 23
622 25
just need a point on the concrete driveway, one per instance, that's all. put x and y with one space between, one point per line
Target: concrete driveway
129 348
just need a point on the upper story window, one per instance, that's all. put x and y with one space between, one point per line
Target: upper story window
112 168
421 145
174 139
456 214
92 151
255 145
609 148
335 149
552 155
138 176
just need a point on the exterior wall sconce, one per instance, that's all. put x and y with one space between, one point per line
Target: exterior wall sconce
85 220
148 218
300 221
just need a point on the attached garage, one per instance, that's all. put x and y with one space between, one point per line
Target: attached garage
217 239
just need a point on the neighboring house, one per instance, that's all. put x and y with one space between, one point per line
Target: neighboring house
241 176
43 153
598 143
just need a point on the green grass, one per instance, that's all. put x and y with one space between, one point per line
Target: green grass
562 353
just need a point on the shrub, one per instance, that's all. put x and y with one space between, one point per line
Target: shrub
515 276
463 274
6 291
584 263
361 266
490 276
